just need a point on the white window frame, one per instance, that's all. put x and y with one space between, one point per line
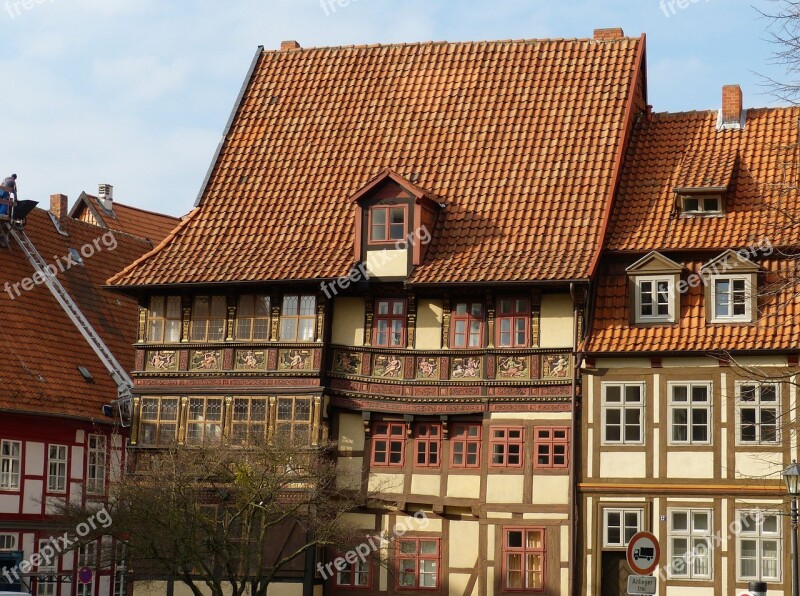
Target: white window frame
759 536
97 460
701 201
747 317
624 407
57 468
10 464
622 511
673 406
46 588
758 406
655 280
12 539
694 537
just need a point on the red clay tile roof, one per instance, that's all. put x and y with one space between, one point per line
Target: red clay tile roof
131 220
612 333
704 170
762 205
643 217
519 139
40 345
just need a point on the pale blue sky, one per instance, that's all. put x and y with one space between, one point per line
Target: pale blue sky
136 93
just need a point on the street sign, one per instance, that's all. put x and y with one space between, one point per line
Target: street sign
643 553
85 575
641 584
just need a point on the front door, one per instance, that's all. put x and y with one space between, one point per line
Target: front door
614 581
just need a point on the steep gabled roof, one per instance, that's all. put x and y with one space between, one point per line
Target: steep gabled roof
521 140
124 218
762 198
42 349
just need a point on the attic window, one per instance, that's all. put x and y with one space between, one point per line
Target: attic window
86 374
76 256
387 224
701 204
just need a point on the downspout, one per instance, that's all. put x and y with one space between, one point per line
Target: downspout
579 294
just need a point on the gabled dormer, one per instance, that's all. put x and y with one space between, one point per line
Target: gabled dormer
394 224
652 289
731 288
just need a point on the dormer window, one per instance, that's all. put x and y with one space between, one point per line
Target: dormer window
701 205
731 281
653 282
387 224
731 299
654 299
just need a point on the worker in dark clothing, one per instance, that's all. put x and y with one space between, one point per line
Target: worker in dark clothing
9 186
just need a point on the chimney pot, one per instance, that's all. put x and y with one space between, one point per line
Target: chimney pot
58 205
608 34
732 101
289 45
105 195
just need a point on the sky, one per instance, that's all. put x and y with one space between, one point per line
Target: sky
136 93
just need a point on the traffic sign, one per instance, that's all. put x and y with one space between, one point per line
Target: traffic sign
641 584
643 553
85 575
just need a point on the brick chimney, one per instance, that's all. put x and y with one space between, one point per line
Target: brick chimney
289 45
58 205
608 34
731 104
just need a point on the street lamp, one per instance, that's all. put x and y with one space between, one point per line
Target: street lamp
791 476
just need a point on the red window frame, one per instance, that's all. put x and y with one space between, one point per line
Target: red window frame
523 551
468 317
427 445
387 223
389 438
389 317
501 441
351 585
518 315
461 437
417 556
551 447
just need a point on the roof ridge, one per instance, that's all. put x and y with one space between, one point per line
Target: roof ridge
524 40
117 203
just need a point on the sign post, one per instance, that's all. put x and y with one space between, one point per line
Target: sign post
643 556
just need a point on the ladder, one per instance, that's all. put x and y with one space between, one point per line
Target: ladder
115 369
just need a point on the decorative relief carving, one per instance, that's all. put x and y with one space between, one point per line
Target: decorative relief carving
427 367
387 366
491 369
369 309
446 322
464 391
227 359
555 366
294 359
317 359
142 324
468 367
205 360
274 320
320 319
348 363
162 360
251 359
513 367
536 315
366 364
444 368
272 360
187 317
184 357
231 320
408 373
140 358
411 321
